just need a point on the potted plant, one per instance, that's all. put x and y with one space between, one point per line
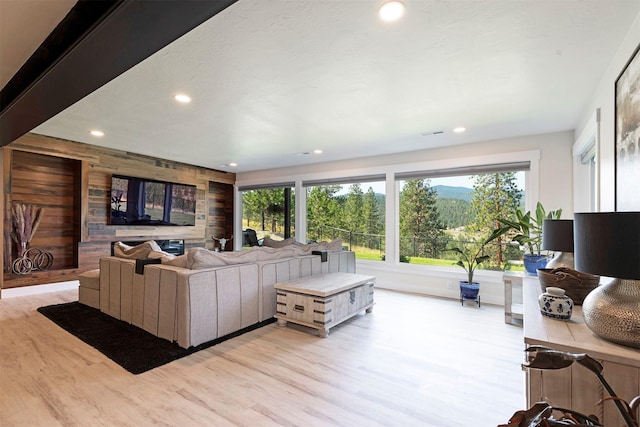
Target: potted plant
470 257
528 229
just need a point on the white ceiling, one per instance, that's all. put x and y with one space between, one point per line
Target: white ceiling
273 79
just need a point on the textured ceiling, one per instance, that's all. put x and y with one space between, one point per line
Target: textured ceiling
273 79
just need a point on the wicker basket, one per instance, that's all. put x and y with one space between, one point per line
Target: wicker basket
575 283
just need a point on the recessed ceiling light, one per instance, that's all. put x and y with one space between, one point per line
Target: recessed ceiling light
317 151
459 129
391 11
97 132
233 165
181 97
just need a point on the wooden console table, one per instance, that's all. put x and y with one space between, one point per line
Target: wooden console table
323 301
576 387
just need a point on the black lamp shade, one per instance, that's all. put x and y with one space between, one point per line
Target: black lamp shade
557 235
608 244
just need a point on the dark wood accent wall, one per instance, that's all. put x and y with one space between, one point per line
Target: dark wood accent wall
73 180
220 198
52 183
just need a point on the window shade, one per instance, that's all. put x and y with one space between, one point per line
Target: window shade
467 170
267 186
344 180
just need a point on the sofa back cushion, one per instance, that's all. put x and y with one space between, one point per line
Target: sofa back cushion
271 243
140 251
307 249
199 258
181 261
163 256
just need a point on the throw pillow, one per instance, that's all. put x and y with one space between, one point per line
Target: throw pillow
179 261
267 254
135 252
243 256
306 249
199 258
271 243
162 255
335 245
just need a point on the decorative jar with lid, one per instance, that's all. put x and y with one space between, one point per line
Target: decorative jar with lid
555 304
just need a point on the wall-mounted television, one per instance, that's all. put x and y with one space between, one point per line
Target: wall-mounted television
140 201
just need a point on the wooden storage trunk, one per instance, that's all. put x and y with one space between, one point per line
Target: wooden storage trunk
322 302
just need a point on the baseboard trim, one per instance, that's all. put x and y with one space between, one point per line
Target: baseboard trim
39 289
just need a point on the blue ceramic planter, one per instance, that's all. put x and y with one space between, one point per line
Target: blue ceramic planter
533 262
469 292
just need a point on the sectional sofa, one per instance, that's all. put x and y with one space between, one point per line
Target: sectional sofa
204 295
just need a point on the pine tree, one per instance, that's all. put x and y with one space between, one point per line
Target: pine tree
322 209
263 203
454 213
353 213
373 224
371 212
419 219
496 195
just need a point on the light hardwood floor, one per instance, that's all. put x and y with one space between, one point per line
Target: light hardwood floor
414 361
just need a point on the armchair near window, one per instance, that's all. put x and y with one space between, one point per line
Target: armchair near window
250 238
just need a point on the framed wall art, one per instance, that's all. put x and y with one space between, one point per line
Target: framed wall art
627 136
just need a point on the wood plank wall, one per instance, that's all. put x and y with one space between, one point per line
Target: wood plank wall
220 201
49 182
91 168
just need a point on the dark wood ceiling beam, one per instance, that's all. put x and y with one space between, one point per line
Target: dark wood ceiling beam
95 43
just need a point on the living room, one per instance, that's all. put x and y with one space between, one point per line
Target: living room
555 177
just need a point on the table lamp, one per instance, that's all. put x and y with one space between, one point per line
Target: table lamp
608 244
557 236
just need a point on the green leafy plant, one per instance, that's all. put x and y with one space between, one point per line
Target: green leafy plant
471 256
528 227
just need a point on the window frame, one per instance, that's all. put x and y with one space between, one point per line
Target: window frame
586 167
392 190
344 181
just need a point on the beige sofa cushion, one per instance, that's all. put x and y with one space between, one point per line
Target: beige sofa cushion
271 243
178 261
199 258
140 251
307 249
162 255
258 253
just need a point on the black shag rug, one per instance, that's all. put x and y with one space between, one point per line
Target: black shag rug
133 348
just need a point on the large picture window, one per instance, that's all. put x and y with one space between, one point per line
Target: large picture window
351 211
269 212
414 214
441 211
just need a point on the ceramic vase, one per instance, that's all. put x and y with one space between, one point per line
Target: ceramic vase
555 304
612 311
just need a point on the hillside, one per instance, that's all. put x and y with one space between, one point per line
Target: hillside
449 192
